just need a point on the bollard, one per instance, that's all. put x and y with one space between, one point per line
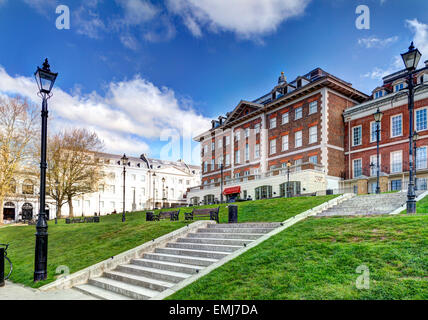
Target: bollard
233 213
1 267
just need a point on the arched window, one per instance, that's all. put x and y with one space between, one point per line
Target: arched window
28 187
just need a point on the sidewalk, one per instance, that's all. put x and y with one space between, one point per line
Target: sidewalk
12 291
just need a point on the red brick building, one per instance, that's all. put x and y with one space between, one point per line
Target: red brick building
360 142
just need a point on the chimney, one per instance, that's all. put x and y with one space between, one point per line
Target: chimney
426 63
282 79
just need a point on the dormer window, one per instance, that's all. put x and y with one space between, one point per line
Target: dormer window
399 86
378 94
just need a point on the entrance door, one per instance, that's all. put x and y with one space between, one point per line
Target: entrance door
9 211
27 212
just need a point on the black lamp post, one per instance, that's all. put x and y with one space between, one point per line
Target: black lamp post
411 59
45 80
124 164
154 175
163 192
221 182
378 118
415 138
288 178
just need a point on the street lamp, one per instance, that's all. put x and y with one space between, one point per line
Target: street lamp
288 178
124 164
378 118
154 176
221 182
163 192
411 60
45 80
415 138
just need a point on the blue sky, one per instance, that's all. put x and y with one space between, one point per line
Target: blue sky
138 71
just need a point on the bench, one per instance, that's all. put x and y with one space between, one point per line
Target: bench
84 220
172 215
212 213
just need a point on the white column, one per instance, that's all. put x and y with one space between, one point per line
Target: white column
263 145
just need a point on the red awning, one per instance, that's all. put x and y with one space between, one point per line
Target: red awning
232 190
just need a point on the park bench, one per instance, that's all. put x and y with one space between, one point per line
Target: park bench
212 213
172 215
84 220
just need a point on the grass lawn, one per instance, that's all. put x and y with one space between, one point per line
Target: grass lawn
317 259
81 245
270 210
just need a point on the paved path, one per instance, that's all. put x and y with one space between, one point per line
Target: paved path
12 291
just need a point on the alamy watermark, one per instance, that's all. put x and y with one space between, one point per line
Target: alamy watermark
363 281
363 20
63 20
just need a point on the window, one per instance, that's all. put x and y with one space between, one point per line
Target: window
313 159
421 157
247 132
213 145
205 148
298 139
143 191
220 143
257 151
101 188
245 194
28 187
358 169
237 156
398 87
237 175
313 107
373 160
205 164
263 192
373 131
313 134
247 152
212 164
285 143
356 136
257 127
220 161
227 159
143 178
421 119
227 140
246 173
395 185
421 183
284 118
297 165
188 181
298 113
134 177
272 123
378 94
396 126
396 161
272 146
238 135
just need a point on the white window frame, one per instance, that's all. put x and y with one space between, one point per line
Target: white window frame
312 135
311 105
416 124
373 159
285 118
426 158
374 132
227 140
238 156
316 156
220 143
257 128
272 123
257 151
247 132
238 135
247 152
353 167
392 117
227 160
300 112
285 144
272 146
361 136
391 161
300 139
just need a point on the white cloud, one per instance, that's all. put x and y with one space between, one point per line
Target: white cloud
421 36
42 6
137 11
373 42
87 21
246 18
131 113
129 41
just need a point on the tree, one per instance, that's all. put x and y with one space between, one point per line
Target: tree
74 168
18 129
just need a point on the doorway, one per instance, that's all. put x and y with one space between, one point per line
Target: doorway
9 211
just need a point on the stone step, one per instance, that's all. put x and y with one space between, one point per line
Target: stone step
246 236
203 262
246 225
99 293
235 230
229 242
140 281
203 246
168 266
192 253
153 273
126 289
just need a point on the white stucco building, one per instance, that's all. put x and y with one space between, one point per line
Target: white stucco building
150 183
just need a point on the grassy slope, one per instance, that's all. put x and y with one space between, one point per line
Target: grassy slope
317 259
81 245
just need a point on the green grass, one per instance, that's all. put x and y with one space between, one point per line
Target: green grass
78 246
270 210
422 205
317 259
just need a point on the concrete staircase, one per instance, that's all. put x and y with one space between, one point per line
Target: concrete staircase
371 204
146 277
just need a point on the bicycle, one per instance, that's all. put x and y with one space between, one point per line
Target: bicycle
7 261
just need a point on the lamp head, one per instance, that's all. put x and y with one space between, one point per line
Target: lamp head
411 58
45 78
